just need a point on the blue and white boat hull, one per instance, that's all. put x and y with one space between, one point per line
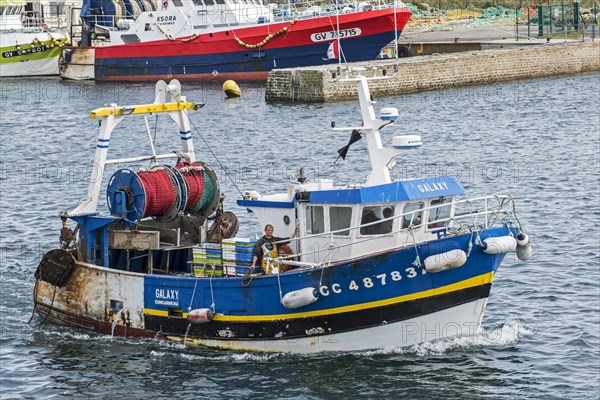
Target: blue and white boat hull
368 303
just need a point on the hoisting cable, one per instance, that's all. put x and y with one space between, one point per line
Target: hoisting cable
152 148
207 145
155 129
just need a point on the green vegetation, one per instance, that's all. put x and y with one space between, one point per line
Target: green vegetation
466 4
483 4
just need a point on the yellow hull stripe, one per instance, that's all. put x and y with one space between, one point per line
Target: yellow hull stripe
468 283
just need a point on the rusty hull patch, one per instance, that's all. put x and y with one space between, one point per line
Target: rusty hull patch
93 297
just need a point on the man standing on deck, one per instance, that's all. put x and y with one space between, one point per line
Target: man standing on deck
267 241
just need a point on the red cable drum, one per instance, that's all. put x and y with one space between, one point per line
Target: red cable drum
160 192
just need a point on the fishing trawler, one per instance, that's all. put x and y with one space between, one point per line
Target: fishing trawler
374 264
29 47
224 39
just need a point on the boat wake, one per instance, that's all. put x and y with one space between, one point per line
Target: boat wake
194 355
504 335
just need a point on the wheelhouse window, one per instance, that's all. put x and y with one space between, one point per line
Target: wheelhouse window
177 3
340 218
439 214
56 9
198 2
372 214
413 214
315 220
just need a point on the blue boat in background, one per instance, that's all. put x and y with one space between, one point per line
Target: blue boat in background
379 264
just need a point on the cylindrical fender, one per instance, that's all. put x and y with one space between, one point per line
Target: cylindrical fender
497 245
443 261
200 315
524 249
300 298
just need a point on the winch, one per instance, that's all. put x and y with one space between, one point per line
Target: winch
163 192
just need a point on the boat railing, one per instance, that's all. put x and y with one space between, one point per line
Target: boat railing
470 215
310 9
102 21
56 21
17 19
286 12
31 19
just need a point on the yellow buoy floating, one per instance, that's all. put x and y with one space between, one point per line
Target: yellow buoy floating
231 89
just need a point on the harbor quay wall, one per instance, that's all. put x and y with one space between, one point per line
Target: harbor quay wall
433 72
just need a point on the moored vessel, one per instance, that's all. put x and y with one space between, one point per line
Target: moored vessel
229 39
29 46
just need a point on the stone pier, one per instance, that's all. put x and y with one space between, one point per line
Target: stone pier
437 71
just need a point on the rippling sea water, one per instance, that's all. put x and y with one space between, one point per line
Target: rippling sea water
538 140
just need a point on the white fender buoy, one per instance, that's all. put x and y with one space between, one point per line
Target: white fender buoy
500 244
300 298
200 315
443 261
524 249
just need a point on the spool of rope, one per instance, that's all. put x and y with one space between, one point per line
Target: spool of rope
208 195
163 192
155 193
160 192
193 174
202 183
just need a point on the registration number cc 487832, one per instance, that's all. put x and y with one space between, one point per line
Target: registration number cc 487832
371 282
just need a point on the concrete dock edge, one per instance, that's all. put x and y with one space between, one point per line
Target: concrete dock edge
439 71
